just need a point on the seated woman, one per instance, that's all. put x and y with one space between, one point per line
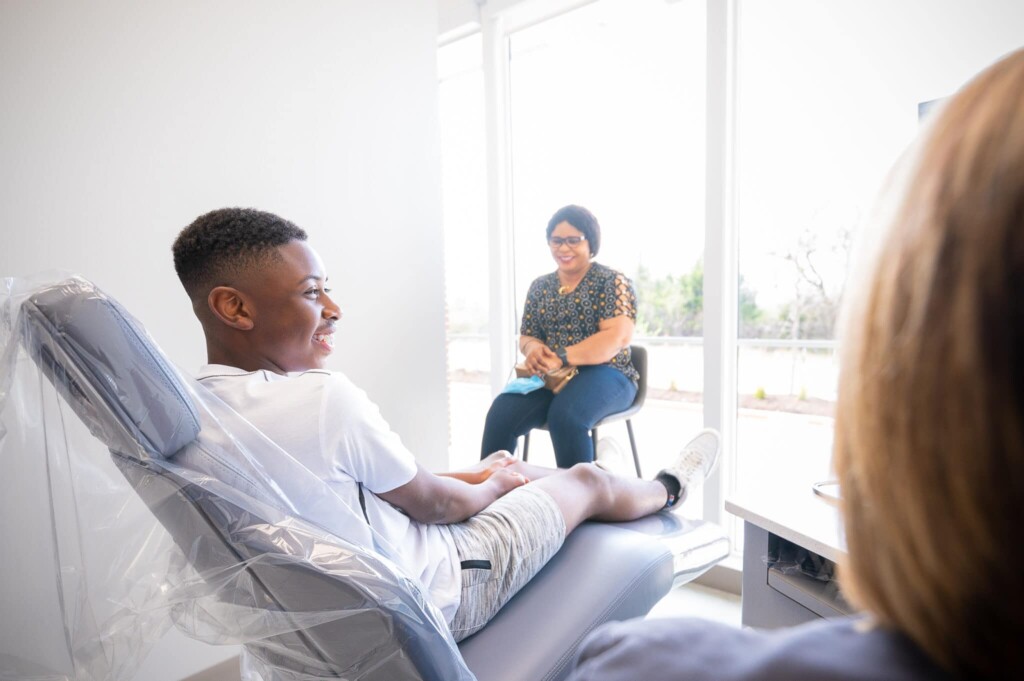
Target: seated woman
929 439
582 314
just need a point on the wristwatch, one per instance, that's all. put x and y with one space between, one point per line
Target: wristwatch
561 355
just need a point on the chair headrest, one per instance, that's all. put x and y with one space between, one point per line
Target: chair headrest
109 370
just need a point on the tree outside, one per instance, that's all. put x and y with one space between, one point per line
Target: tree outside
787 347
673 305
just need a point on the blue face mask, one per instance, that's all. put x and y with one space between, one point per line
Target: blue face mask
521 386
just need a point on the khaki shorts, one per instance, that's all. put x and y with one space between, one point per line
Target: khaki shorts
501 549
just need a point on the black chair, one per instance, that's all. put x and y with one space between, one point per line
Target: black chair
638 355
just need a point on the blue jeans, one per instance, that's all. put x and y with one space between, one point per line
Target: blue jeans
594 393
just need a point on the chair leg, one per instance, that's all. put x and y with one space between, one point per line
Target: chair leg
526 445
632 443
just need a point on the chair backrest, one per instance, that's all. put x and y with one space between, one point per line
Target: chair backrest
335 611
301 598
103 364
638 355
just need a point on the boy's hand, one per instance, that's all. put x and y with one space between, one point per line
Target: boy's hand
495 462
507 480
479 472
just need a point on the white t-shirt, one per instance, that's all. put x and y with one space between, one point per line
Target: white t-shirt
333 429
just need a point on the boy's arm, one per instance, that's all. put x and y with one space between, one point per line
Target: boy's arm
435 499
472 477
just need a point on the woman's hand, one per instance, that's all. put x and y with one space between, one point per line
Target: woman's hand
540 359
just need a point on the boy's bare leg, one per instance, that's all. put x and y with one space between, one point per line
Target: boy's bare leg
586 492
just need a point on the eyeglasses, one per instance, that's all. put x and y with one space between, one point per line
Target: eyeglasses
556 241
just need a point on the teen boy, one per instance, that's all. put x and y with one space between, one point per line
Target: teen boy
473 538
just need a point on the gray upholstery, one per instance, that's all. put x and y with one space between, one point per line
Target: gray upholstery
118 382
100 359
216 534
604 572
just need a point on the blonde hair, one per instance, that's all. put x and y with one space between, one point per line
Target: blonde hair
929 443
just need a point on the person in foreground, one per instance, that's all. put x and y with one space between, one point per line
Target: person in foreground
580 315
473 538
929 438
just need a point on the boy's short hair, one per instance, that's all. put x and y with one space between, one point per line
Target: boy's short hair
223 243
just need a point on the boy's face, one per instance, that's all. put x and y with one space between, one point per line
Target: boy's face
293 315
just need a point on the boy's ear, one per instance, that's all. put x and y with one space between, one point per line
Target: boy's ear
229 306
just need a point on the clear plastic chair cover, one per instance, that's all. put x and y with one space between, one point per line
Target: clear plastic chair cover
133 500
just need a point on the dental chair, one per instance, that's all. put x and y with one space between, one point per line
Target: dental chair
316 597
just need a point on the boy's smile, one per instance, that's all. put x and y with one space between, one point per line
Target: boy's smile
292 312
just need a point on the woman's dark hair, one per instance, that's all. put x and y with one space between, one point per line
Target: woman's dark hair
583 220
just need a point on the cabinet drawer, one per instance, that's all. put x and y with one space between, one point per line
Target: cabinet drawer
822 598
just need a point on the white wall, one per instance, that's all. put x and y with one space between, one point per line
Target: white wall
122 120
456 18
459 18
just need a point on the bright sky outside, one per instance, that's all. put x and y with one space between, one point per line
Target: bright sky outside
608 112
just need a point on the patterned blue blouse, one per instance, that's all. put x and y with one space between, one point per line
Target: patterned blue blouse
561 320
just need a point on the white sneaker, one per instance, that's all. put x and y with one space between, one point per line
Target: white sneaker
695 462
610 455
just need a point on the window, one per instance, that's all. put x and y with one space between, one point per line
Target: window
805 105
464 201
607 111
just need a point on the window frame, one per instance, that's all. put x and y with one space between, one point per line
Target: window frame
497 22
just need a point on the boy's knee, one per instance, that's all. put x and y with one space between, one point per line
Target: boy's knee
595 480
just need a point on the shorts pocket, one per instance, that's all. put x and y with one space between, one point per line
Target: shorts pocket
476 572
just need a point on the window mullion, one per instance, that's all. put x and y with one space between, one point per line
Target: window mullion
499 197
721 249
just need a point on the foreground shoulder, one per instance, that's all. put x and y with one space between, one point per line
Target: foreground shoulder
698 650
656 648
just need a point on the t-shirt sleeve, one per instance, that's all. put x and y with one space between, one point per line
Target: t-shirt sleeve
619 298
531 324
358 442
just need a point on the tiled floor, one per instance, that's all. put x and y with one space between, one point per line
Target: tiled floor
694 600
